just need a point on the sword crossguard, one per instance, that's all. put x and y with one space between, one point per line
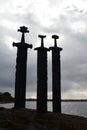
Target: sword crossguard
23 30
31 46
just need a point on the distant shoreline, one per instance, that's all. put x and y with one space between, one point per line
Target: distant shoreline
49 100
7 98
63 100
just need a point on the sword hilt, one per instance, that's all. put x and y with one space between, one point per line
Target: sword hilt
42 39
55 37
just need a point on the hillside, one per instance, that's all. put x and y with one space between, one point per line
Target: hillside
26 119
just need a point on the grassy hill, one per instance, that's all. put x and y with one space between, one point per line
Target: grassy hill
26 119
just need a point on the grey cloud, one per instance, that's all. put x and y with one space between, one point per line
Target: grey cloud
73 56
7 58
55 3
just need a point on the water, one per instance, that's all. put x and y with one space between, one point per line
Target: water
72 108
75 108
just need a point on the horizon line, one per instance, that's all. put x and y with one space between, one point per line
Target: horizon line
65 100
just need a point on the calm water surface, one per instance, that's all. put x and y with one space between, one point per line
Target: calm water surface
73 108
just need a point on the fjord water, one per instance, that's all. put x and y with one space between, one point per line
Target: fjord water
72 108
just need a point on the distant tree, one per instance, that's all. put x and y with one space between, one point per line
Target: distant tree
0 93
7 94
6 97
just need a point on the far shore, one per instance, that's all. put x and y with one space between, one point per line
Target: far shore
49 100
62 100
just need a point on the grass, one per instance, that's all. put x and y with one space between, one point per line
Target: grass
27 119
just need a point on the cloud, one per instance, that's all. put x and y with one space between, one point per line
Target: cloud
68 20
72 27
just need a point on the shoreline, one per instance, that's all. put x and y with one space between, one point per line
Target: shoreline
49 100
62 100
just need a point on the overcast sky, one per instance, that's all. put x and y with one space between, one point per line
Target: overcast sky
66 18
